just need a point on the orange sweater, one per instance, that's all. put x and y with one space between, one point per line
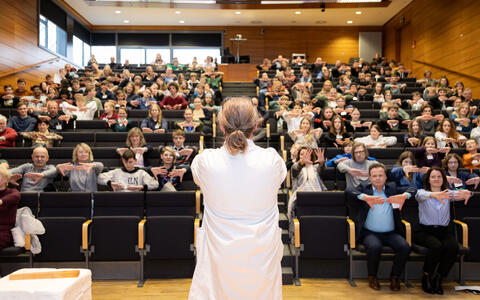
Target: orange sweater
469 162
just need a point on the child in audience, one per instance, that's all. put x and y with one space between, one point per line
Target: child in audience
169 174
325 120
428 155
356 124
463 118
173 100
376 140
447 135
137 143
406 173
294 117
342 108
475 134
416 102
378 96
82 172
393 122
471 159
42 137
189 124
305 135
122 123
347 154
154 123
109 112
427 121
130 178
183 154
458 179
82 110
147 100
338 133
306 174
22 122
414 136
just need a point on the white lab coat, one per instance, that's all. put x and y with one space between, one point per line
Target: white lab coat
239 246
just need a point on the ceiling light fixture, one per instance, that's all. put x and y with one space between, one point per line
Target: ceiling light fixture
238 12
349 21
358 12
126 21
298 12
117 11
181 21
178 12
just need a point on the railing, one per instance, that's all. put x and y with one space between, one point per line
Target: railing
447 70
24 68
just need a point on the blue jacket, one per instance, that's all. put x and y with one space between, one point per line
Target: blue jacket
333 161
398 176
22 125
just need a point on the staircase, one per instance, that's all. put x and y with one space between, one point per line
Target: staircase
235 89
288 259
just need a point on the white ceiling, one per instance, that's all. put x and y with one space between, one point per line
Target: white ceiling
105 15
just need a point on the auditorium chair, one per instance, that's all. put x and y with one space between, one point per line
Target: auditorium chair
71 139
314 211
110 139
63 214
27 199
170 228
357 250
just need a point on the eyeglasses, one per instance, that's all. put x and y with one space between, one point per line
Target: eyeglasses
359 152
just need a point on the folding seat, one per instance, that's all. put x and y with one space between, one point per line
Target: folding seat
358 251
71 139
116 222
89 125
108 156
314 211
63 214
170 230
28 199
110 139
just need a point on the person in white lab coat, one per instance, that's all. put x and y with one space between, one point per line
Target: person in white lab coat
239 247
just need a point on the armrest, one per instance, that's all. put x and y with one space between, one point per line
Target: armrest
282 143
214 128
268 130
141 234
196 225
464 232
28 241
296 226
289 180
351 234
85 234
258 89
284 155
200 144
197 201
408 232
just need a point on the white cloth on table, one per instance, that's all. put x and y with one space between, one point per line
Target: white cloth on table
78 288
239 246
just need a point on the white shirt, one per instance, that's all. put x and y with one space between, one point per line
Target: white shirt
367 140
239 246
81 115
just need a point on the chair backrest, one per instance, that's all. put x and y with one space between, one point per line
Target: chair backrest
321 203
29 199
65 204
118 204
180 203
410 213
472 209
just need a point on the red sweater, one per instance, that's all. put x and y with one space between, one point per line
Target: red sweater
11 136
8 214
169 100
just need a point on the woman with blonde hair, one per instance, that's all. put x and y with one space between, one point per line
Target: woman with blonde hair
239 239
82 172
137 143
154 123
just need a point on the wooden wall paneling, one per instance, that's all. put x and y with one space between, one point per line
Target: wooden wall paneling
446 34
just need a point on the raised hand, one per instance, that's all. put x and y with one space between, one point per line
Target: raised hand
397 199
371 200
443 195
320 155
159 170
474 180
65 167
462 194
14 178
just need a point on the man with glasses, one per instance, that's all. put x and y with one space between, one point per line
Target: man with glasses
356 169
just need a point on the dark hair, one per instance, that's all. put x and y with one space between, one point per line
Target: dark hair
426 179
375 166
405 155
128 154
7 86
44 121
357 145
21 80
450 156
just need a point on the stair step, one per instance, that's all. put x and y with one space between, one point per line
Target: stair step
282 207
287 276
283 221
285 236
288 258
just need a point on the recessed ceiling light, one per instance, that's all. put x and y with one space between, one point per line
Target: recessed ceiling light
126 21
117 11
349 21
178 12
358 12
238 12
298 12
181 21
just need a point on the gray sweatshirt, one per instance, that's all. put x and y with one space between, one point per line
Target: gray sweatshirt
128 178
81 182
49 172
346 165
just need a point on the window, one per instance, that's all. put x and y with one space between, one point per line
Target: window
186 55
152 54
52 37
134 55
103 53
86 53
78 51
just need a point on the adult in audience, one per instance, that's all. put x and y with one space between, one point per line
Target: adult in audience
42 137
405 173
458 179
169 174
173 100
8 136
378 219
37 176
9 99
376 140
434 233
22 122
356 169
306 175
9 199
154 123
136 142
82 172
129 178
57 120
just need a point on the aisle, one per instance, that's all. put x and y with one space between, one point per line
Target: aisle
337 289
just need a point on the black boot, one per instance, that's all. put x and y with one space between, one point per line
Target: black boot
437 284
427 284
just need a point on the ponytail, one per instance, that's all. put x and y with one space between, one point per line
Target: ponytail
236 142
